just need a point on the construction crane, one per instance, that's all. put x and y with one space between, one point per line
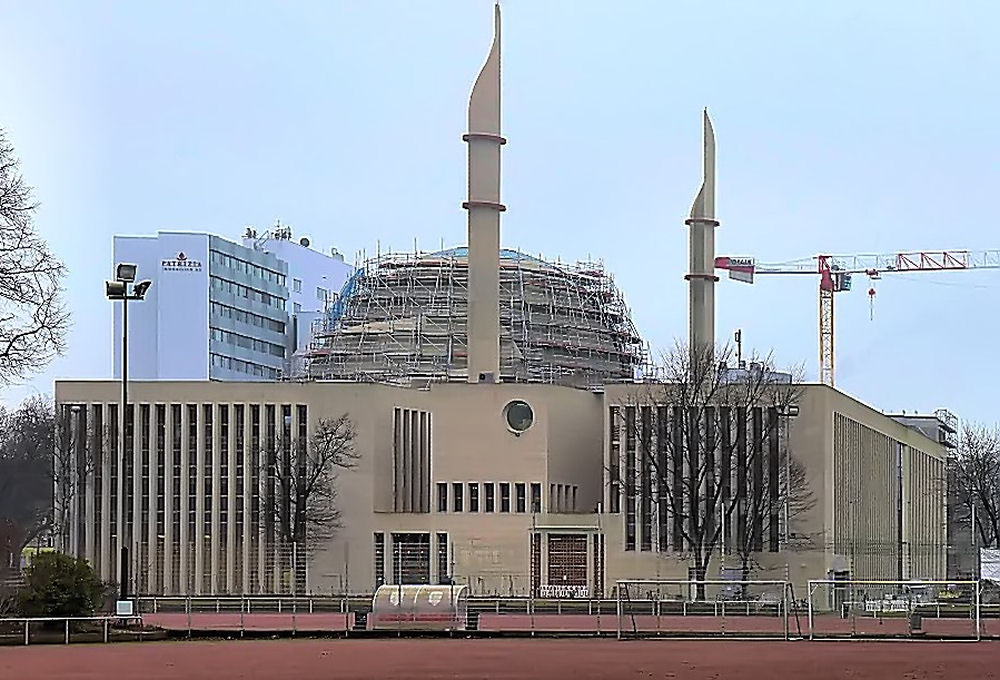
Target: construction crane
835 272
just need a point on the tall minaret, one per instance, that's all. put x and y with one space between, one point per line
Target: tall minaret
701 249
484 208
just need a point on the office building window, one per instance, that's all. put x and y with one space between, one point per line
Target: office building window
521 497
442 491
246 342
456 491
244 267
504 497
243 316
297 285
296 307
240 291
321 293
233 364
536 497
379 540
473 497
442 559
489 488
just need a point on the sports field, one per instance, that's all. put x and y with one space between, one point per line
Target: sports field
511 659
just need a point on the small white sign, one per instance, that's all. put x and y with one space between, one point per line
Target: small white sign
123 607
557 591
989 564
887 605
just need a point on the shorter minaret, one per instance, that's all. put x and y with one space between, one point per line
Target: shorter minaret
701 276
484 208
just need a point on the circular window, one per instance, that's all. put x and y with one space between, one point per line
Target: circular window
518 415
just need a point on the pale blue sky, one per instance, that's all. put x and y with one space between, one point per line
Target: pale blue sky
849 126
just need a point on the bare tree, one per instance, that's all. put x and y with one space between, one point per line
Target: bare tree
44 465
72 463
795 499
707 437
33 320
299 502
975 475
27 445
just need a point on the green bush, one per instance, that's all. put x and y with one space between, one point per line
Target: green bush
60 585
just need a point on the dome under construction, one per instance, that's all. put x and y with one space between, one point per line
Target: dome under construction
402 317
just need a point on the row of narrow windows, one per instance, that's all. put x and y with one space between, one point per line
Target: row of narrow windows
517 497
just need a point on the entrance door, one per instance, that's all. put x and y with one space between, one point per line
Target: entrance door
568 560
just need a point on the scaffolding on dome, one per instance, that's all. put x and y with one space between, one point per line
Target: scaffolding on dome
402 317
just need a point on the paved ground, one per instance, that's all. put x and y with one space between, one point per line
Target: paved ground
511 659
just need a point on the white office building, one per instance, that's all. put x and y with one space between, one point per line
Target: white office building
314 277
219 310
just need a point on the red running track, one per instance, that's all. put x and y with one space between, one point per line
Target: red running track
511 659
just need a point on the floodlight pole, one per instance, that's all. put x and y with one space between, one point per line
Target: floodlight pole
124 563
119 290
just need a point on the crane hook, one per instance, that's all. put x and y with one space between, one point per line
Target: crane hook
871 304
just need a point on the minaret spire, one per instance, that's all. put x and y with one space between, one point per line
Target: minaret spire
484 209
701 250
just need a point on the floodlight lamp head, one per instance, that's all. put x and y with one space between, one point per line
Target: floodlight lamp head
125 272
140 289
114 290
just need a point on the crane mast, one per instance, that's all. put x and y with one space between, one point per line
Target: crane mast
835 272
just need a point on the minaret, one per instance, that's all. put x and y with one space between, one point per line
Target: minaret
484 208
701 250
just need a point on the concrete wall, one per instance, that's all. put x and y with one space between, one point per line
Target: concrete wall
471 443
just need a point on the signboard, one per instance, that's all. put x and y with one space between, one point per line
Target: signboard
181 263
887 605
560 592
740 268
989 564
123 607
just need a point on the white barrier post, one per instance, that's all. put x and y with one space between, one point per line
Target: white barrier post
979 632
809 592
618 608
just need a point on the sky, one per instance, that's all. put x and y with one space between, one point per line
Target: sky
842 127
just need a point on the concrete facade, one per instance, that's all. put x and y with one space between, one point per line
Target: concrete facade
445 488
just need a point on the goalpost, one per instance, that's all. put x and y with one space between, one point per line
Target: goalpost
892 608
678 607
